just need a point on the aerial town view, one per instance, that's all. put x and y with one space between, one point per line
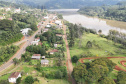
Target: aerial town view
62 41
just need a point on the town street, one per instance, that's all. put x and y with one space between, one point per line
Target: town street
22 48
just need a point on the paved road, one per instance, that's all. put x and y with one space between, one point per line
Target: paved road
69 62
22 49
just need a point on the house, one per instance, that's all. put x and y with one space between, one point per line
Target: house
59 35
45 30
44 62
53 51
14 76
37 39
58 22
25 31
43 57
7 9
48 25
36 56
55 45
34 43
1 18
46 17
17 10
10 19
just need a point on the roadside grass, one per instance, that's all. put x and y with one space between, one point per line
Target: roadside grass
101 47
117 61
5 77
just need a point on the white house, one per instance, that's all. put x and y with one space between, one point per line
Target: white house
46 17
43 57
44 62
14 76
45 30
7 9
37 39
48 25
1 17
34 43
58 22
55 45
17 10
36 56
25 31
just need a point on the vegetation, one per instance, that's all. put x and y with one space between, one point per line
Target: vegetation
94 72
116 12
29 80
7 52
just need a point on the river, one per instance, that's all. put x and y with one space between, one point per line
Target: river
95 23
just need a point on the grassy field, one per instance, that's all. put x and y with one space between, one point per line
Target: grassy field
117 61
101 47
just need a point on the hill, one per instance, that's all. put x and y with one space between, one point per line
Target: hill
64 3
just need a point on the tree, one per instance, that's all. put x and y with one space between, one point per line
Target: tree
74 59
33 27
89 44
38 66
18 81
6 25
107 80
30 32
58 75
80 72
29 80
16 61
121 77
99 31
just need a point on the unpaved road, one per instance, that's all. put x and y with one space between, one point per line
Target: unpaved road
69 63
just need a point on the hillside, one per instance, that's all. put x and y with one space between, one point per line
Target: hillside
114 12
68 3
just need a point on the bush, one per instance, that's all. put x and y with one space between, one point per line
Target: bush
29 80
74 59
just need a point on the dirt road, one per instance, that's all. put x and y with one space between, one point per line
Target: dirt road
69 63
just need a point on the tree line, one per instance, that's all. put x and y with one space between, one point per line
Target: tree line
7 52
114 12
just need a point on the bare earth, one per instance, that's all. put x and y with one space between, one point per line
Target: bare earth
68 63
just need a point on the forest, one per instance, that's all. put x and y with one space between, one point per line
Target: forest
114 12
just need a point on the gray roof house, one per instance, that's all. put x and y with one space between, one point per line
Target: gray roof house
44 62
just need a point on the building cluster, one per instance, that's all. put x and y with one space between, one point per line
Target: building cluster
5 10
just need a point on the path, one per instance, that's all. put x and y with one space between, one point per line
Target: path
116 67
21 50
69 63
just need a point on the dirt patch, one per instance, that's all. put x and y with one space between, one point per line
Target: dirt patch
123 63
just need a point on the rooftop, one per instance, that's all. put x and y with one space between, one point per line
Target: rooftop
14 75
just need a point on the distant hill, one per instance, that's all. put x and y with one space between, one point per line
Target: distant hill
65 3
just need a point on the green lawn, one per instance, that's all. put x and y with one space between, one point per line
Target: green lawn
117 61
113 74
101 47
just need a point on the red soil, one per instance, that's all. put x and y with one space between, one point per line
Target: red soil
123 63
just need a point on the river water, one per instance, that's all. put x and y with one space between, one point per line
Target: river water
95 23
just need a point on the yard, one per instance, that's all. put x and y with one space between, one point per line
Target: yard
101 47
